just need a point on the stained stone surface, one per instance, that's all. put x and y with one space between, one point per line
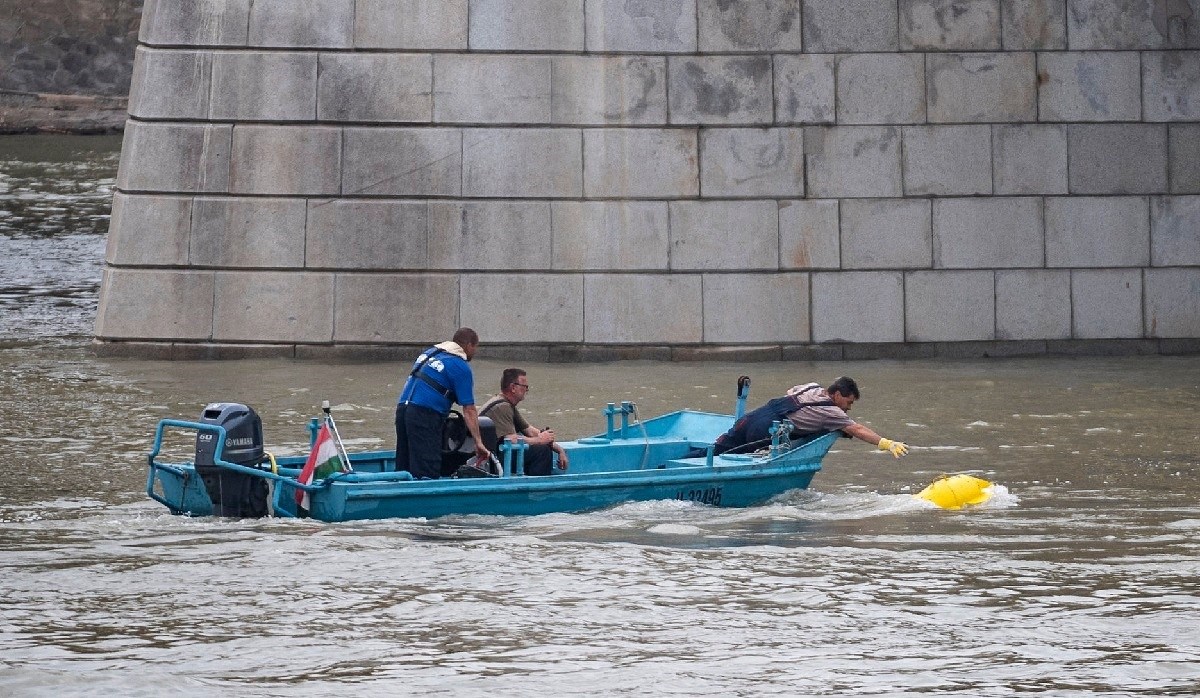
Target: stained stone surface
963 176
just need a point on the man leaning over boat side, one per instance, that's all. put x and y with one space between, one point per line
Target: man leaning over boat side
440 377
502 409
811 409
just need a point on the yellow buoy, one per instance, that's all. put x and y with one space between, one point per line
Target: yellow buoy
957 491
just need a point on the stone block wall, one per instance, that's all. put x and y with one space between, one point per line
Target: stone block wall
661 178
68 47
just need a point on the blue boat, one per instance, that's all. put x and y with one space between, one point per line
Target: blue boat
665 457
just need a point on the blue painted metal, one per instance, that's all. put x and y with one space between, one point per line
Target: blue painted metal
639 462
743 392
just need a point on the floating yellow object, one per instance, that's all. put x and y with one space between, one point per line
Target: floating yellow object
957 491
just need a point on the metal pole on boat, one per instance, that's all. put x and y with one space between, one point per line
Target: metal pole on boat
336 436
743 392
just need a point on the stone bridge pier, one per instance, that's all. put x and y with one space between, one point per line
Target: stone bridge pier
598 179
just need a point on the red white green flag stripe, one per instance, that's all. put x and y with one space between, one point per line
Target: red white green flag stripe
322 462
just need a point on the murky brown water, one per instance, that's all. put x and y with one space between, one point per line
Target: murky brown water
1082 578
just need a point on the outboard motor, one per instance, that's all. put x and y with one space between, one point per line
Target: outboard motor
457 444
232 494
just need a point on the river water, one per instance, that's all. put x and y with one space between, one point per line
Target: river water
1080 577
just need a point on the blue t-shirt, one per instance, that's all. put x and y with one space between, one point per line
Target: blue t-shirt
448 371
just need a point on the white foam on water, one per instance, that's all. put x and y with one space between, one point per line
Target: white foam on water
675 530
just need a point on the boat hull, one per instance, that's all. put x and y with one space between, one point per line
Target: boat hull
605 470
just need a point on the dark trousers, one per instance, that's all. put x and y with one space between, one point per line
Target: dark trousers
754 426
419 441
539 460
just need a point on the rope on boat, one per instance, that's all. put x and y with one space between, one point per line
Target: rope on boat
271 483
645 436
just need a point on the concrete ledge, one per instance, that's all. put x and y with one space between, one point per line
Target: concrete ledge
156 351
812 352
30 112
1102 347
516 353
599 353
605 353
734 353
987 350
887 351
402 354
1179 346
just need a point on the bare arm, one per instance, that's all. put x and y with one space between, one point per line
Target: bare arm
545 437
859 431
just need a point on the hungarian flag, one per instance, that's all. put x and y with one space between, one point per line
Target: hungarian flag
322 462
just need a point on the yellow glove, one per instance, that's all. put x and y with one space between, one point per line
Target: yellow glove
897 449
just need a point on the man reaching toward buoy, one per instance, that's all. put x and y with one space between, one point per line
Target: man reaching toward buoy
811 409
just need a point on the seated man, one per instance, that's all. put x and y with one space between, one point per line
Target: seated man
811 410
502 409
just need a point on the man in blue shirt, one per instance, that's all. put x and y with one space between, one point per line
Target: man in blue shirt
440 377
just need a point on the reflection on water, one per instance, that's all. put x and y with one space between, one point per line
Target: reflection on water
1082 577
55 195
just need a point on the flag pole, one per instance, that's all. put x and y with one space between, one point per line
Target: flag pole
337 437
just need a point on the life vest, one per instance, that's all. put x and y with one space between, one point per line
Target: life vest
421 372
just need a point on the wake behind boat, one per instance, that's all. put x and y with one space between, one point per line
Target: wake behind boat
665 457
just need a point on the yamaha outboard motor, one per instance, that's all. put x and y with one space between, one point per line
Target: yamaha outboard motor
457 444
232 493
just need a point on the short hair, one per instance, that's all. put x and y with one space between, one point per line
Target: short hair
509 377
465 336
844 386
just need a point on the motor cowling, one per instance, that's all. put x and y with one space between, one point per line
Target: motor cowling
457 444
232 493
